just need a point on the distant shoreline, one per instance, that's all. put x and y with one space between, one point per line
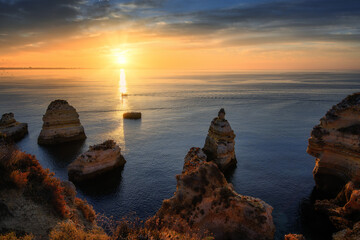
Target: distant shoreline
40 68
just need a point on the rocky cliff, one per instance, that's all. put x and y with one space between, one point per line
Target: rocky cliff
61 124
205 202
220 142
97 160
32 200
10 129
335 144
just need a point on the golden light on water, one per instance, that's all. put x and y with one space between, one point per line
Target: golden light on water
122 82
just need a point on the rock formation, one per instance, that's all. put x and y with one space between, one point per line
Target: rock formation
132 115
335 144
11 129
61 124
294 237
220 144
97 160
205 202
32 200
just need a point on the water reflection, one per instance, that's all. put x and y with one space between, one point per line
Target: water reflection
122 83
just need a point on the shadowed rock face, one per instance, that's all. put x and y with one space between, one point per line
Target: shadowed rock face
335 143
220 142
11 129
61 124
97 160
205 202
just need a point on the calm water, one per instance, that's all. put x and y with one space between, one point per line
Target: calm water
271 113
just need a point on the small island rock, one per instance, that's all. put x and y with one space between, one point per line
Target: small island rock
10 129
220 142
98 159
132 115
61 124
205 202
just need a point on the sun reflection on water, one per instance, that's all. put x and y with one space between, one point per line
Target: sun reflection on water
122 83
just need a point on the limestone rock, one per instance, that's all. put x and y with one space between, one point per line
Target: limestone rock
11 129
132 115
205 202
220 142
335 144
61 124
97 160
348 234
294 237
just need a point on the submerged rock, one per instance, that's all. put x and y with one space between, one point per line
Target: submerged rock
335 144
132 115
61 124
11 129
97 160
220 142
205 202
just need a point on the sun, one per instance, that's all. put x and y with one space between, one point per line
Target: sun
121 59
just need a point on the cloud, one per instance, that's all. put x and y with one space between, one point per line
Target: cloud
253 22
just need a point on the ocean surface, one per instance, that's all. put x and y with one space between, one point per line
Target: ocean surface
272 114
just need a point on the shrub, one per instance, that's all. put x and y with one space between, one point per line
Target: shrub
19 178
12 236
70 231
86 209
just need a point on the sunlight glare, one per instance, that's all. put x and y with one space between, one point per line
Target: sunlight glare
122 82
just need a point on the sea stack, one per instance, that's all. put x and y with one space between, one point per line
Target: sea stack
97 160
205 202
10 129
61 124
220 142
335 144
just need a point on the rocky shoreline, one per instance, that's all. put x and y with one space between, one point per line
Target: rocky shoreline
204 203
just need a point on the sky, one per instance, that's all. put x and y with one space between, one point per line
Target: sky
181 34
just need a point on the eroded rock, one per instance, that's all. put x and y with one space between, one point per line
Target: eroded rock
10 129
97 160
61 124
335 144
220 142
205 202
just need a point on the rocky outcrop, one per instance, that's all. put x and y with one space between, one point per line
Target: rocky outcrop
220 142
10 129
61 124
32 200
205 202
132 115
343 211
97 160
335 144
294 237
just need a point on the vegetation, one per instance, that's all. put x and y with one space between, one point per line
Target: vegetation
12 236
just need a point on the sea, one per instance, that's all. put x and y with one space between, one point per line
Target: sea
271 112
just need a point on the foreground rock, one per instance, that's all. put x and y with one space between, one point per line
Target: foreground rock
10 129
335 144
61 124
32 200
205 202
220 142
97 160
294 237
132 115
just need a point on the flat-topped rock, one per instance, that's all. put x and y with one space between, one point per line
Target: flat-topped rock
11 129
335 145
132 115
220 142
205 202
97 160
61 124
